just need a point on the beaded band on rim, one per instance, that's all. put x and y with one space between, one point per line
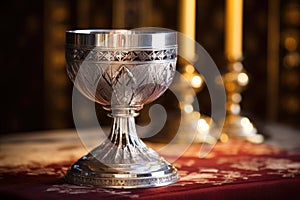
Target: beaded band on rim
100 55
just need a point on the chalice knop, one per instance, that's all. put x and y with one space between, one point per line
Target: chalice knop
122 70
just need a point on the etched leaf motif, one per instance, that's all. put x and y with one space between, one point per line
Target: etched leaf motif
124 84
145 84
104 89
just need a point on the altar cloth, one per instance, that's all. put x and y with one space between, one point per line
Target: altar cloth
32 167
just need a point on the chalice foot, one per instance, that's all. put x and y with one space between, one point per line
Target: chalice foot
122 161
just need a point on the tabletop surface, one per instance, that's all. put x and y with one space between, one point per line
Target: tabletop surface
33 166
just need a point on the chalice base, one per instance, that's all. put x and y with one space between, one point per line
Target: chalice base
122 161
89 171
239 127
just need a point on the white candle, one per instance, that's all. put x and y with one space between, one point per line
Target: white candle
234 26
188 25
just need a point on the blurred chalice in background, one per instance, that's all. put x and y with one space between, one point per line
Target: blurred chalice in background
122 70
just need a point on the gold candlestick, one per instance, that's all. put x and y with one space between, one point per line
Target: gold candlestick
235 125
235 80
191 118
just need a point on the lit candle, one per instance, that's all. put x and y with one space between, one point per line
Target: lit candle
188 25
234 24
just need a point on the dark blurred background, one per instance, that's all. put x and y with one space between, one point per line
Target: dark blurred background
36 92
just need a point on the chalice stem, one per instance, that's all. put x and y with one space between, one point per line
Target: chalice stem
123 131
124 138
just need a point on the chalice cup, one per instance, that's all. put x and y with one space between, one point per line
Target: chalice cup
122 70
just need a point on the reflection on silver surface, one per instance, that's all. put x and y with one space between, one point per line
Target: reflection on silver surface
122 38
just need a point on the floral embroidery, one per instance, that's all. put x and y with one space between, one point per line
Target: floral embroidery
279 166
209 176
35 170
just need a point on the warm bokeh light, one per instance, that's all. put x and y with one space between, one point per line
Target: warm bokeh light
189 69
242 79
235 108
189 98
245 122
196 115
203 125
196 81
291 60
290 43
188 108
238 66
224 138
236 97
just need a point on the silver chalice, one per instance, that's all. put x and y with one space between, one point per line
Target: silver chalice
122 70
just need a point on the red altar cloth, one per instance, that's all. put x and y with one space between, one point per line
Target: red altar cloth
235 170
